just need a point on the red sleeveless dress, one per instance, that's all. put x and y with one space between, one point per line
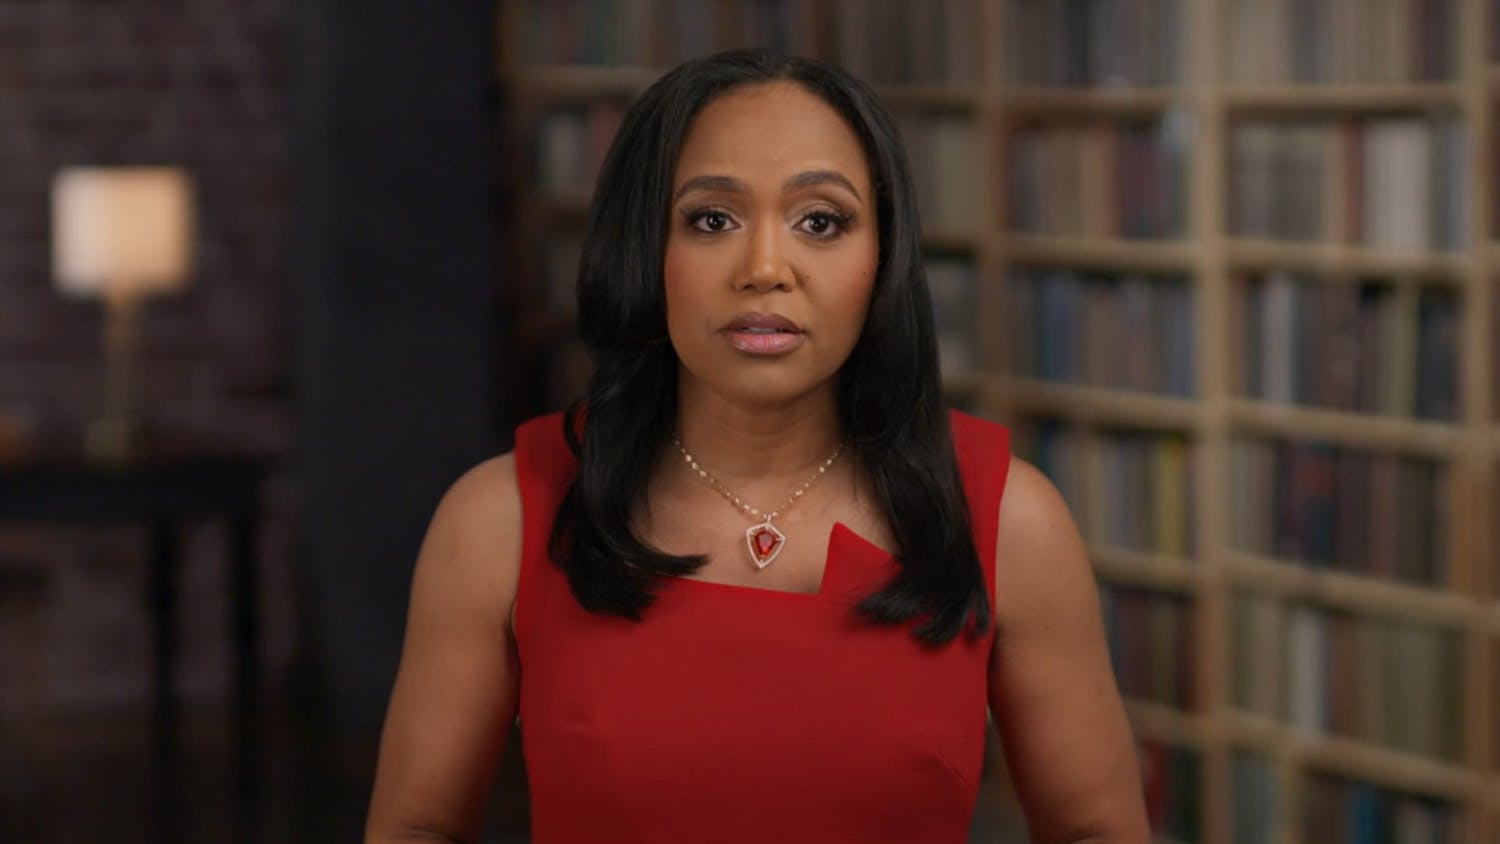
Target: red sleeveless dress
735 714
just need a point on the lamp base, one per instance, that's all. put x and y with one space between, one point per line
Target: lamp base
112 440
114 436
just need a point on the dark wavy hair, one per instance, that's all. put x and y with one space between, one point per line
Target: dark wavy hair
890 407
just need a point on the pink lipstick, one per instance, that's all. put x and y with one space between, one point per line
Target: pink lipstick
763 334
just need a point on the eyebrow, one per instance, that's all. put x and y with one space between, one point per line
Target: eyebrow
730 184
808 178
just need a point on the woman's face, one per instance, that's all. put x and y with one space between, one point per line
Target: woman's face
772 246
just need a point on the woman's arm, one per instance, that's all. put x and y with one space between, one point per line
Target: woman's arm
1052 691
455 693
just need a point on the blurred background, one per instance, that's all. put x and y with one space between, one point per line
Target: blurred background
274 274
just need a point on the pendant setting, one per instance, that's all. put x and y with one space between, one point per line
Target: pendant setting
764 542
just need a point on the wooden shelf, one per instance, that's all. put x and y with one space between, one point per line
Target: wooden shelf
1342 98
1140 568
1381 433
939 97
1061 250
577 81
1342 590
1163 723
950 240
1392 768
1094 405
1340 259
1212 260
1091 101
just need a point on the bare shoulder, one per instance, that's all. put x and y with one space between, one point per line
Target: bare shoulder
486 489
1038 552
1032 510
471 554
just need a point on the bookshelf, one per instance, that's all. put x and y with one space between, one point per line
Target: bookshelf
1231 282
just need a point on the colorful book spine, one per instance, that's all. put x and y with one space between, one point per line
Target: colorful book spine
1402 177
1391 683
1101 178
1374 514
1150 635
953 283
1117 331
1171 778
934 43
1093 43
1340 809
586 32
1256 802
571 142
943 159
1341 41
1129 490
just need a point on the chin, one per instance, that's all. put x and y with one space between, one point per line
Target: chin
771 386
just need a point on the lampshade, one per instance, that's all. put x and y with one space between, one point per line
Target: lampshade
121 230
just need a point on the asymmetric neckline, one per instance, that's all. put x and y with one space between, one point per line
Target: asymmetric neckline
739 714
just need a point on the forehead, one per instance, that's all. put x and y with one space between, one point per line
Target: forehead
770 129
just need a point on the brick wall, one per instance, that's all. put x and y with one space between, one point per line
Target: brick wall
202 84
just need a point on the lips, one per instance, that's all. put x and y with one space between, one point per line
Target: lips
763 333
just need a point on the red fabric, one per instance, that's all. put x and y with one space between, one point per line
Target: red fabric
736 714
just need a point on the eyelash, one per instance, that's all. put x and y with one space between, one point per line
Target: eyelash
839 221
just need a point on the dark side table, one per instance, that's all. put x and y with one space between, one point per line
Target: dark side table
161 492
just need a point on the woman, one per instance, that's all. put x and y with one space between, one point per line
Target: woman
750 590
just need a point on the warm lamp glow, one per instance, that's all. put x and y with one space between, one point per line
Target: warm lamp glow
121 231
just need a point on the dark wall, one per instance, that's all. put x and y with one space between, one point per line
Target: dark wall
204 86
395 335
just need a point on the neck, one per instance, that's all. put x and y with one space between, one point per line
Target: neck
757 442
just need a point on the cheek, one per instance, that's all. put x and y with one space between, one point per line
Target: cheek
682 290
855 294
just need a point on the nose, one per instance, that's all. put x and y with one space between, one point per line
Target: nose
766 266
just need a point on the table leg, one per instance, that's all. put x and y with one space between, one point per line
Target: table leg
163 601
246 638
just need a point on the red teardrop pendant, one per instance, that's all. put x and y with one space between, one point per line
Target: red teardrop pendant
765 543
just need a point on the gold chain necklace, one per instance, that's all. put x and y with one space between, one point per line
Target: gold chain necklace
762 539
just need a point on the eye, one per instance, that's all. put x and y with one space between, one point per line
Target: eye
824 224
710 220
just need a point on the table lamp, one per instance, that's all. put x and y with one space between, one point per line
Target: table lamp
120 234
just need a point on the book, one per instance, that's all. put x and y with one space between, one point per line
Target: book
1276 173
1123 178
953 285
1341 41
1397 184
1371 513
1093 43
1170 778
1255 803
1307 661
1127 331
1339 808
941 150
1370 347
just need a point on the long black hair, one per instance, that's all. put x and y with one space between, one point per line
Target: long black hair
890 407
